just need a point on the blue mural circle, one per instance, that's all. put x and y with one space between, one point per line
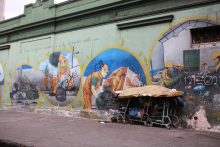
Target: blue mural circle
115 58
110 71
2 79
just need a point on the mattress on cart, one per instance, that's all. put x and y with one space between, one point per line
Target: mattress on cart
151 90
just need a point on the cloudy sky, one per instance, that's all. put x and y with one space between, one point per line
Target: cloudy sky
16 7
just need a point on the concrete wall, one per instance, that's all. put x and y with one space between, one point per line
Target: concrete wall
108 58
196 90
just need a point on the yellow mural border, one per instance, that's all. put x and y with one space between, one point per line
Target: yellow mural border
36 70
4 82
12 79
169 27
113 47
66 49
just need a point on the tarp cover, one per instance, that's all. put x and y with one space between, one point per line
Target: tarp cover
151 90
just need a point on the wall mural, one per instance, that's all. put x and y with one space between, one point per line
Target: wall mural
25 86
108 72
195 71
61 77
2 80
58 77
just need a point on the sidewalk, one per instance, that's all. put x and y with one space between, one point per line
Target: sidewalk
41 130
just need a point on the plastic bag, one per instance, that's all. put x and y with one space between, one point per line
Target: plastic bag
134 111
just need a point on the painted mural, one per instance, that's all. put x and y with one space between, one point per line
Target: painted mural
58 77
107 73
2 80
179 62
25 86
61 77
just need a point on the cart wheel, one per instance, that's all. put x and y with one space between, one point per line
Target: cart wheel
150 124
168 127
113 119
176 126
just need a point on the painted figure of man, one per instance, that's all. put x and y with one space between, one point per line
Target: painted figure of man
177 70
205 68
62 69
46 76
181 68
216 59
92 83
168 72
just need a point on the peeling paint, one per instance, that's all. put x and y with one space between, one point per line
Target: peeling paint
199 120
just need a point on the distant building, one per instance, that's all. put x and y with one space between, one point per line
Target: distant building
2 9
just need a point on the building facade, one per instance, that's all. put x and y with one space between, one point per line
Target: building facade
65 55
2 9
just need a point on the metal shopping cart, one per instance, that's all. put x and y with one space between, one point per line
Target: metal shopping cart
159 105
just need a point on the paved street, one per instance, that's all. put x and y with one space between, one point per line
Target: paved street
42 130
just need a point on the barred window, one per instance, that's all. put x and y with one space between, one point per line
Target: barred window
205 35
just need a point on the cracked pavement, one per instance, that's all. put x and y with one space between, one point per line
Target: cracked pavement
42 130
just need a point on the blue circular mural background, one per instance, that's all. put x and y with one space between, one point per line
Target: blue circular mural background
115 58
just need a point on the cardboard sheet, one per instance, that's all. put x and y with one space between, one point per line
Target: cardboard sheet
151 90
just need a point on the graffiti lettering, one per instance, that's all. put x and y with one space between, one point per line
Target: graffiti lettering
88 39
186 79
78 41
49 46
36 49
200 80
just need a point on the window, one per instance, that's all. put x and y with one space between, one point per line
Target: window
205 35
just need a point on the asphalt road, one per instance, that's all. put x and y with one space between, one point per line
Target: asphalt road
41 130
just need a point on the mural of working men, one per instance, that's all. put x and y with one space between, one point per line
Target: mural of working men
62 70
181 68
168 72
199 77
107 73
25 87
177 70
92 83
46 73
205 68
216 59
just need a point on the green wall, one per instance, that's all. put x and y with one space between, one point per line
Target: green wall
44 32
